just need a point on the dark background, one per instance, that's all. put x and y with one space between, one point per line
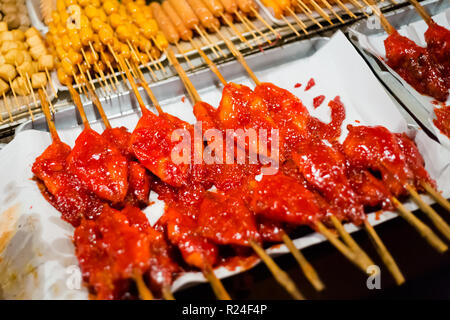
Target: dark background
427 272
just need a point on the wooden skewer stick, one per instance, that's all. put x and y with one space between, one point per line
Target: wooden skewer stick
217 286
360 6
206 34
158 65
321 11
152 73
48 99
7 107
133 86
75 78
102 76
240 57
195 97
208 61
14 94
48 117
236 31
27 77
150 93
77 101
300 23
347 10
111 69
421 10
282 277
330 7
423 229
251 27
184 55
85 58
127 63
308 12
207 43
105 92
26 98
341 247
144 291
290 25
167 293
258 16
99 107
50 80
152 60
350 242
437 220
384 22
384 254
307 268
436 195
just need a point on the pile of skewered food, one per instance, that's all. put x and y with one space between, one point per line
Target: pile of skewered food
131 30
102 184
24 62
14 13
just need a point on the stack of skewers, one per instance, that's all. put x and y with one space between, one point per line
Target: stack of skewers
25 63
319 184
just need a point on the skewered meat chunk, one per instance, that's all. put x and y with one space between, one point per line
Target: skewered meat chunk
100 166
110 250
324 167
284 199
120 138
377 149
438 44
224 219
66 192
152 145
138 184
182 231
416 66
414 160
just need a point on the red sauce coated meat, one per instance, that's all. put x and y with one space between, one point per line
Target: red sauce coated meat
438 44
324 167
416 66
224 219
283 198
442 121
65 192
111 175
100 166
377 149
116 246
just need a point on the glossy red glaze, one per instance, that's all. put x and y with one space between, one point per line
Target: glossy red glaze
416 66
100 166
442 121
